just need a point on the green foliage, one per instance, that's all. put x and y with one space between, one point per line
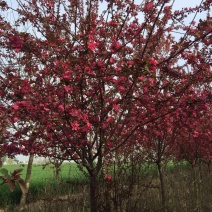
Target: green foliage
11 178
4 172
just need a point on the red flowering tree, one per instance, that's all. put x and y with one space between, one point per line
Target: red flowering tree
3 125
83 81
193 142
157 141
184 134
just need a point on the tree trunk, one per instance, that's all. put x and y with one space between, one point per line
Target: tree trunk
197 184
93 192
27 181
162 187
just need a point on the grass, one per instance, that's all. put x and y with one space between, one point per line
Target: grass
39 173
42 182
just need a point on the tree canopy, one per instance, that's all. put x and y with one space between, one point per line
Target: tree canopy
79 82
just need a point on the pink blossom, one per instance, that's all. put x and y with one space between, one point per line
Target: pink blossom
112 60
15 106
68 88
74 112
51 4
109 144
153 61
108 177
149 6
167 8
152 81
92 45
46 109
75 125
130 63
116 107
142 78
121 88
61 108
115 46
88 124
15 119
15 42
75 156
195 134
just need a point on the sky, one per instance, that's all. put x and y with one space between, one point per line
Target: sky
178 5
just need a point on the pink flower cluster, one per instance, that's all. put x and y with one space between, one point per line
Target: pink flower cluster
153 61
149 6
15 42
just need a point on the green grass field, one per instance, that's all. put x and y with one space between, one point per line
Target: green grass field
43 182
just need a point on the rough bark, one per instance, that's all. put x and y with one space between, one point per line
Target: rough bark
162 186
27 181
93 192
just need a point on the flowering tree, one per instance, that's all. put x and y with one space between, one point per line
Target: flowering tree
182 135
83 81
193 141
